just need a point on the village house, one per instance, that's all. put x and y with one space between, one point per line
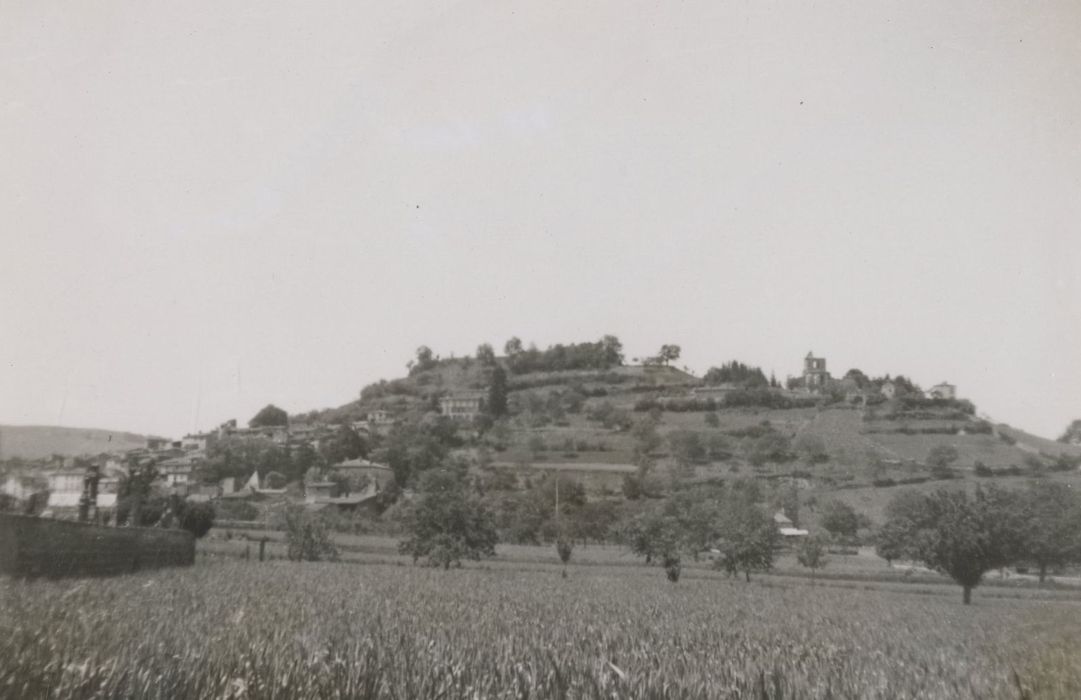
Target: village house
22 486
888 389
65 487
942 391
198 441
786 527
462 406
380 416
360 469
319 495
178 472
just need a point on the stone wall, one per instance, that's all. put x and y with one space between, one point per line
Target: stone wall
42 547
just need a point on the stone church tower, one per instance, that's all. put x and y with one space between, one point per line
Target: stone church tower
815 376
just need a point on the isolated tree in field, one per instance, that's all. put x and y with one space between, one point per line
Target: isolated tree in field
447 524
485 354
564 548
269 416
961 535
839 519
1051 517
653 535
497 393
811 553
307 536
749 538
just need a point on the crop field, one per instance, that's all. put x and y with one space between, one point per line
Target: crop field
281 630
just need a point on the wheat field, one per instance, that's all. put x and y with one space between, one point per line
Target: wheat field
283 630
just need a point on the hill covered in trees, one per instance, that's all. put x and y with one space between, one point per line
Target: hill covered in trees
627 431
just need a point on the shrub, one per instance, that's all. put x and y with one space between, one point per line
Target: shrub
982 469
196 518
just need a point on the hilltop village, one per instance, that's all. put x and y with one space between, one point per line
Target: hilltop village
610 432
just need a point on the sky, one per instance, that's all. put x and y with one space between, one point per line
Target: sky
206 207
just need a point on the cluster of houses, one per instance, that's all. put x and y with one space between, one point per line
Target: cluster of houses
816 379
60 486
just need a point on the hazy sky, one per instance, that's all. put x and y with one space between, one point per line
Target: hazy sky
207 206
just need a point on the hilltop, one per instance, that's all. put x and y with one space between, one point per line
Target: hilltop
856 439
41 441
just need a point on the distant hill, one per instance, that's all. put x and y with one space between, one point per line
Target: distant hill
37 441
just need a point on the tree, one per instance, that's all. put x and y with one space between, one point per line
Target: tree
839 519
269 416
136 503
653 535
686 447
668 353
1052 526
942 456
859 377
771 446
564 548
345 443
497 393
425 360
960 535
447 524
513 347
891 541
1072 434
274 480
713 420
811 554
612 350
735 372
749 538
196 518
307 536
485 354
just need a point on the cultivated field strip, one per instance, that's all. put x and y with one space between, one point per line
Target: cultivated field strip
281 630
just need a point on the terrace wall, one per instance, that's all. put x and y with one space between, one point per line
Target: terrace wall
41 547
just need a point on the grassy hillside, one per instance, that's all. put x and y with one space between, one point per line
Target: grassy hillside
598 425
37 441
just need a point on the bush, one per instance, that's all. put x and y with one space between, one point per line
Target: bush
982 469
196 518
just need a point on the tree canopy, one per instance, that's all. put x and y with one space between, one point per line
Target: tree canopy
735 372
961 535
269 416
447 524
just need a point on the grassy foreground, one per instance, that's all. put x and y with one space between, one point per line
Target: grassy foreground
282 630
